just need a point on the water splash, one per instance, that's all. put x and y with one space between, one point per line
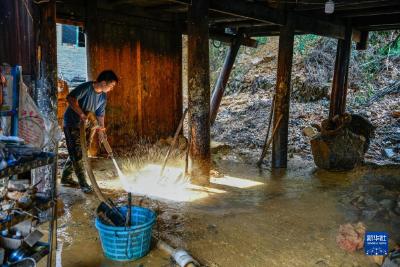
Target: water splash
173 185
120 174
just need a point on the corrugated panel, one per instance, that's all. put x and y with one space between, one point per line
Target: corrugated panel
17 34
147 103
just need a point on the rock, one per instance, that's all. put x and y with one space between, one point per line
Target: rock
369 214
397 210
351 236
389 152
216 174
217 147
378 259
342 151
370 202
182 143
256 60
362 126
387 203
212 228
310 131
376 190
396 114
321 263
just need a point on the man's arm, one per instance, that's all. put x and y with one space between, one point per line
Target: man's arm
100 120
73 102
101 130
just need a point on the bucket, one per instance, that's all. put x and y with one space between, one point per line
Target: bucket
121 243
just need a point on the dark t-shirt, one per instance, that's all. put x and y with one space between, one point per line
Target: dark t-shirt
88 100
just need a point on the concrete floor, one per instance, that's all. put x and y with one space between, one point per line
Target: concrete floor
246 218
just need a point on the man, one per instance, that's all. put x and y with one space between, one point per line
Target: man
87 97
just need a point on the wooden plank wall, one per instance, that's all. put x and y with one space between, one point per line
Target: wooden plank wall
147 103
17 38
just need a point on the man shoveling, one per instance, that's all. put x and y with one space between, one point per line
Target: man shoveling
87 97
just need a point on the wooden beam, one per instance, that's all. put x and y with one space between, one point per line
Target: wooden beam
260 12
223 77
364 12
363 44
239 24
366 22
349 5
282 95
339 84
199 92
249 10
230 38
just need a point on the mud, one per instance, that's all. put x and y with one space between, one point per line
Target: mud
246 218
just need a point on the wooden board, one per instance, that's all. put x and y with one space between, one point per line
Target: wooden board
147 102
17 38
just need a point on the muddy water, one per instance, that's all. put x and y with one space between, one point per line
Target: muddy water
289 219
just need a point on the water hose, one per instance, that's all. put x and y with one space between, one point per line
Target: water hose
88 165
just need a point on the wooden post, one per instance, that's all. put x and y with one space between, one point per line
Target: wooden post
46 89
339 84
223 77
363 44
199 92
282 96
47 93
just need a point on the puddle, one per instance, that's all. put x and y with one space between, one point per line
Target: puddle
261 219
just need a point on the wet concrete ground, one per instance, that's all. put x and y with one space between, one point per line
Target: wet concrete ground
288 219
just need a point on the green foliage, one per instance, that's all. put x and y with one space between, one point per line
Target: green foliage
262 40
303 43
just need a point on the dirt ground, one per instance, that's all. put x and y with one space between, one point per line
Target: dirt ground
247 217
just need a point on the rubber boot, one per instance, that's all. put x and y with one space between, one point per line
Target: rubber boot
66 176
80 173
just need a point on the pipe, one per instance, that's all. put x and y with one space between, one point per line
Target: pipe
223 77
182 258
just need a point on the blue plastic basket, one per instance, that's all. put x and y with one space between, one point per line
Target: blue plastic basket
127 243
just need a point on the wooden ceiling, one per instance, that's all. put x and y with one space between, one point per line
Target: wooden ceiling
261 17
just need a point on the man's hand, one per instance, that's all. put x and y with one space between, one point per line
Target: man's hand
102 133
83 117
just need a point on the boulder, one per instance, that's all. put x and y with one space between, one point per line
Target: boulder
342 142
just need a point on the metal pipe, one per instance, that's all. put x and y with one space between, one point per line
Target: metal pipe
223 77
181 257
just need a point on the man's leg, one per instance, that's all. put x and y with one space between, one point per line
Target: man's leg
72 138
66 176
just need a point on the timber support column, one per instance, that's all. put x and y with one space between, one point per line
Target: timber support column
92 28
46 91
199 92
339 84
224 76
282 96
